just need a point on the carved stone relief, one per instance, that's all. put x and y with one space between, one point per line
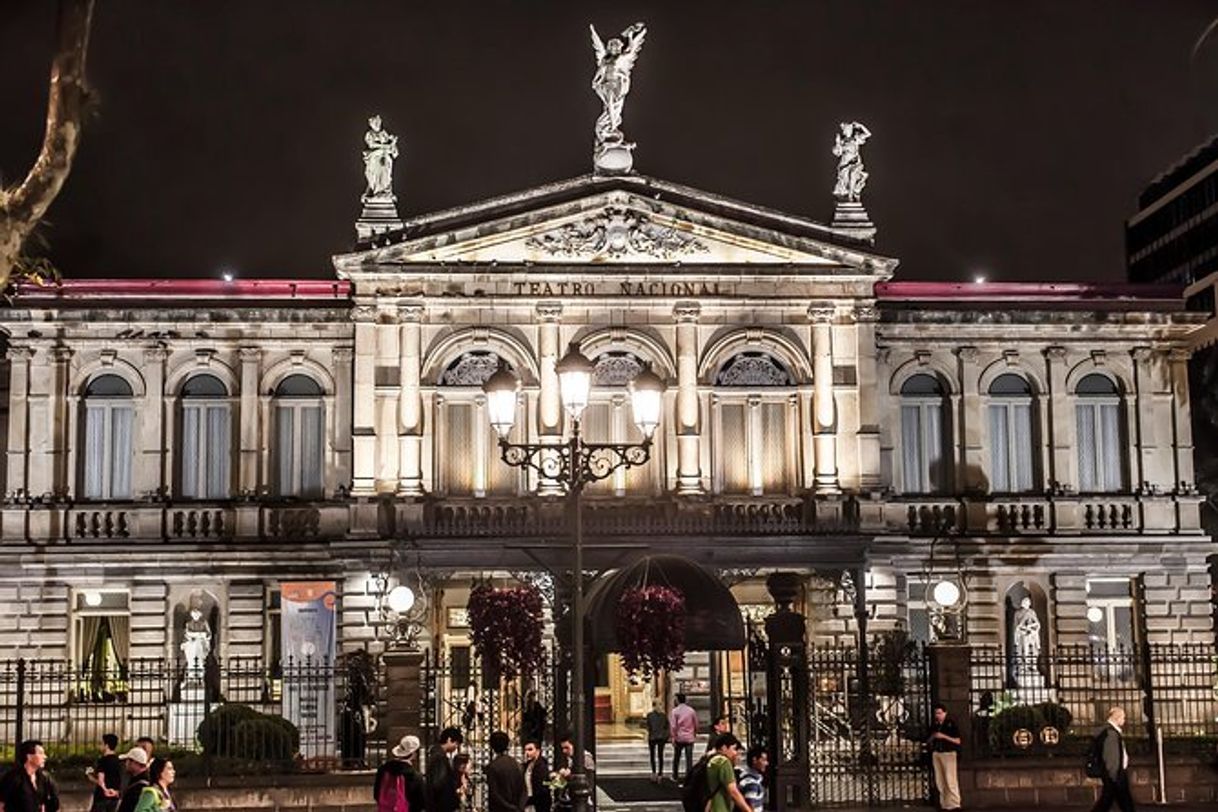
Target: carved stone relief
616 232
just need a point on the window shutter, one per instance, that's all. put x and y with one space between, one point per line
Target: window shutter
733 457
775 474
458 463
285 452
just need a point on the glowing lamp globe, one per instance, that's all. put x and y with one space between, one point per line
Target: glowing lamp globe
1095 614
646 400
92 597
501 388
946 594
574 381
401 599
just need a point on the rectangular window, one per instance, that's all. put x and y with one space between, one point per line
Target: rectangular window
922 457
1112 626
607 419
1100 462
206 441
754 448
1011 447
101 625
108 451
299 446
470 464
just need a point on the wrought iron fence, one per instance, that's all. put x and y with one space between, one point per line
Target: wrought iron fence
1052 703
868 722
237 715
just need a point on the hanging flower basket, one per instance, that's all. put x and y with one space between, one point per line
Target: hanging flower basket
506 626
651 629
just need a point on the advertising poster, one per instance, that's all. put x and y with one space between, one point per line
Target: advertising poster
309 632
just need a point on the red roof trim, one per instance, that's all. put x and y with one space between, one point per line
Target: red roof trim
1024 291
189 289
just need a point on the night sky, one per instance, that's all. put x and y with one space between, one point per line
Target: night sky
1009 136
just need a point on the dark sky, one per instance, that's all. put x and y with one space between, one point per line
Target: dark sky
1010 136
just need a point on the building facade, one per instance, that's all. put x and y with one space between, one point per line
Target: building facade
196 444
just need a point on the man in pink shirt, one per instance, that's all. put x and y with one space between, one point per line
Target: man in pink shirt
683 722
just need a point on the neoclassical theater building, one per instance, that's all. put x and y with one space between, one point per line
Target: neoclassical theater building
177 443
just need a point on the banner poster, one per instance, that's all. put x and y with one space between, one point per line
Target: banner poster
308 634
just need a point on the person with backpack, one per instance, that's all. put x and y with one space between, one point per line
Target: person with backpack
1109 762
711 784
944 745
398 787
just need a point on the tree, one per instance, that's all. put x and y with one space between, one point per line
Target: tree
22 207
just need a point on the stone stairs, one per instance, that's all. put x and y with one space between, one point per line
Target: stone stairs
624 757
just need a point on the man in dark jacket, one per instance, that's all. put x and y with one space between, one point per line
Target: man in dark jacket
442 779
504 779
1111 745
27 787
136 760
658 734
401 766
536 774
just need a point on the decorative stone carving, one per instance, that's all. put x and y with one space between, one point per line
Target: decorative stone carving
549 311
686 311
1025 639
821 312
851 177
753 369
967 355
380 212
614 62
616 369
363 312
616 232
410 313
867 313
1055 353
471 369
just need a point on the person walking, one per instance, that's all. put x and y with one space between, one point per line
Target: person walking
536 776
505 790
944 745
532 719
442 779
156 797
27 787
721 787
751 777
136 760
1109 747
721 725
683 722
398 787
106 776
658 733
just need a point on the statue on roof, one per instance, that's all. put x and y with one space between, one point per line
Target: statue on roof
851 178
614 61
382 149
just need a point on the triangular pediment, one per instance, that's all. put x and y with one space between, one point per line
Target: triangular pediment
607 221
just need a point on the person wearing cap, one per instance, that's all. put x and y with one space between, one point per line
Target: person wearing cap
136 760
398 775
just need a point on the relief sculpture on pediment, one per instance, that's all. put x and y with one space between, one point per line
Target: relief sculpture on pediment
616 232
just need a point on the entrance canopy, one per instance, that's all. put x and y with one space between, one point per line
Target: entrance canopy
712 617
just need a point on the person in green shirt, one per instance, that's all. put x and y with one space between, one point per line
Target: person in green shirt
721 776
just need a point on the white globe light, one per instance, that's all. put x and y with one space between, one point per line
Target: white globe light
401 599
92 597
946 594
1095 614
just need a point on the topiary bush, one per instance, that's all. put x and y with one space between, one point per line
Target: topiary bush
240 732
1004 724
1055 715
217 731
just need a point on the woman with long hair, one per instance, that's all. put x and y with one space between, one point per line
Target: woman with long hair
156 797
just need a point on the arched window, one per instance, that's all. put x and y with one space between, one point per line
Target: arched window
467 453
608 419
755 436
109 421
1011 438
1101 465
924 464
206 439
299 437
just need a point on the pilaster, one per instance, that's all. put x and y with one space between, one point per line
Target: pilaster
18 419
1061 451
1144 423
387 377
410 401
970 469
150 476
1182 426
824 408
868 387
363 398
688 422
549 398
249 421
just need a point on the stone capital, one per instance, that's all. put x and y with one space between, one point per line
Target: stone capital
363 312
866 313
1141 354
155 354
821 312
1055 354
249 355
343 355
61 354
686 311
19 352
410 313
967 354
548 311
1179 355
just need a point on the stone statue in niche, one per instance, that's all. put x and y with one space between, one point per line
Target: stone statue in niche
196 645
196 623
1026 645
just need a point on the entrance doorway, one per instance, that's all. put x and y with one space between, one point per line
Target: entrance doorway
622 701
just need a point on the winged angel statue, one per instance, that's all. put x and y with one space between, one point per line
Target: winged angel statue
614 61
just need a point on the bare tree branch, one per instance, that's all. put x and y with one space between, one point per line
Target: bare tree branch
22 207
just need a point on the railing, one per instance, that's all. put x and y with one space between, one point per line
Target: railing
1052 703
723 515
242 715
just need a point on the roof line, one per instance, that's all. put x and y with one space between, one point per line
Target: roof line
1025 291
276 289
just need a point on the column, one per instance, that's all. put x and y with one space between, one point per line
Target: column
249 421
1144 424
868 385
410 402
18 419
342 359
824 409
971 475
149 476
388 380
549 399
1182 427
59 473
688 424
363 412
1061 458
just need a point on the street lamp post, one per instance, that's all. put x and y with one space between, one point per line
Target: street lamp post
575 464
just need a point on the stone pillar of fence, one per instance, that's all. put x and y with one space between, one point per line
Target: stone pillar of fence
951 676
403 695
787 691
